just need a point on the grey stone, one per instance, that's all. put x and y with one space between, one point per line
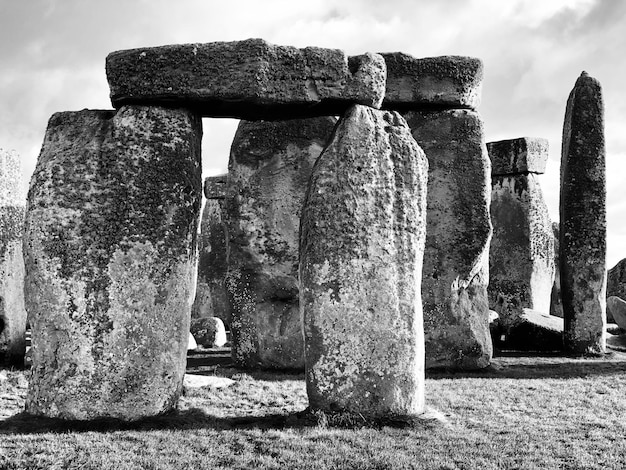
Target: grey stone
361 245
447 81
191 343
456 257
209 332
109 247
535 331
515 156
249 79
210 381
616 284
556 304
582 240
617 307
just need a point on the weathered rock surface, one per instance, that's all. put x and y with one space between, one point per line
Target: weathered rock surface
522 155
211 294
534 331
12 311
191 343
582 240
110 256
617 307
269 170
456 257
616 284
556 304
209 332
361 244
447 81
211 381
249 79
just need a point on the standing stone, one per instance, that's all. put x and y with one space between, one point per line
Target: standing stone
456 257
211 295
521 257
12 311
582 240
111 261
361 245
616 285
556 304
269 170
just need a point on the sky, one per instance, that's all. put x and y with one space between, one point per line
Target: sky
52 55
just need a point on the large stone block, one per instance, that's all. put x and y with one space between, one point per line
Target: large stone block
12 311
582 240
249 79
269 170
110 255
515 156
616 285
361 246
556 303
447 81
456 257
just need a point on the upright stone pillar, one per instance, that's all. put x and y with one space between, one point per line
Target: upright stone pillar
269 170
521 258
110 251
211 294
12 311
361 245
556 304
582 238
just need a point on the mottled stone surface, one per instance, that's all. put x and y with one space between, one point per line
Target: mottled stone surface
535 331
12 311
211 294
617 307
582 238
249 79
361 246
110 256
209 332
456 257
269 170
616 284
556 304
522 155
447 81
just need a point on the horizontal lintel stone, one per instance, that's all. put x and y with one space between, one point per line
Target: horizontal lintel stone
522 155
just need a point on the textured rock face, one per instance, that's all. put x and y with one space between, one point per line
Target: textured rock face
361 245
248 79
515 156
12 311
211 295
616 284
269 170
110 256
448 81
582 240
521 258
536 331
556 304
456 257
617 307
209 332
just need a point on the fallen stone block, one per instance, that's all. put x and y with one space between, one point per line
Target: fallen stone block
209 381
534 331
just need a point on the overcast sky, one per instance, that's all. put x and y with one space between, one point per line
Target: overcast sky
52 59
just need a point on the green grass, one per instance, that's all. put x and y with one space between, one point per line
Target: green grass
522 413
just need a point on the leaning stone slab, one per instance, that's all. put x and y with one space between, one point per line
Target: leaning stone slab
516 156
12 311
441 82
583 219
269 170
249 79
110 256
616 284
456 257
361 245
617 307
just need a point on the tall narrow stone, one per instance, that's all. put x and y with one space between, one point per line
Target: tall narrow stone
12 311
269 170
211 294
556 304
456 257
111 261
361 245
582 239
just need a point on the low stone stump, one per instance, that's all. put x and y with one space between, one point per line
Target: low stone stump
361 246
110 256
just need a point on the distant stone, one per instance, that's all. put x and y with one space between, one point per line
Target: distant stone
191 344
535 331
210 381
556 304
109 247
361 245
616 284
209 332
617 343
249 79
456 257
12 310
613 328
516 156
617 307
448 81
583 219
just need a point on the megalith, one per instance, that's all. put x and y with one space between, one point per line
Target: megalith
12 311
556 304
616 285
456 256
582 238
521 257
110 254
211 295
268 173
361 245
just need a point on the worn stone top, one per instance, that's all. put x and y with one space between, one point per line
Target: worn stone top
215 186
11 193
516 156
437 82
249 79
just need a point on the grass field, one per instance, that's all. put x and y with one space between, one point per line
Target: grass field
521 413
